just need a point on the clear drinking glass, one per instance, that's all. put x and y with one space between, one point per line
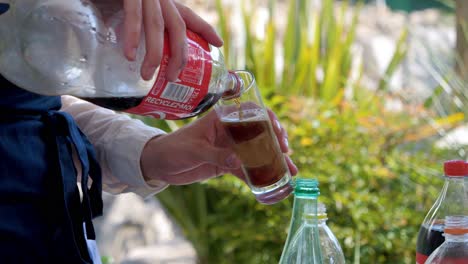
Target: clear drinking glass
248 125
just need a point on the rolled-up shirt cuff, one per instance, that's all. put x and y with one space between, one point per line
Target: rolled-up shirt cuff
127 168
119 141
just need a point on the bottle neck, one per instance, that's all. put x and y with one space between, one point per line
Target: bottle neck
305 209
303 242
455 179
451 200
322 219
303 238
305 205
232 86
456 228
456 238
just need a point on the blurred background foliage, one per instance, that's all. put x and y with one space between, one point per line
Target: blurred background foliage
379 168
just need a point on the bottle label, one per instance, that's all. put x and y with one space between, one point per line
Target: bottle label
451 260
420 258
175 100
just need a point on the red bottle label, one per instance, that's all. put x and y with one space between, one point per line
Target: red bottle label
175 100
420 258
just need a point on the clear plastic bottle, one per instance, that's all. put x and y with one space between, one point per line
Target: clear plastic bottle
454 250
452 201
49 47
331 249
57 47
303 243
465 183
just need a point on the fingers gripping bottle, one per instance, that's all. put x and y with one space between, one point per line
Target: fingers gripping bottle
452 201
56 47
454 250
203 81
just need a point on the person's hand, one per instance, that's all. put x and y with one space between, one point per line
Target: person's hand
154 17
197 152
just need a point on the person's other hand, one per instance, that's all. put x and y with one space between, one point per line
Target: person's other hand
197 152
154 17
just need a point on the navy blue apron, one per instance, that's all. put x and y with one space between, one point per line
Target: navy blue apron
41 213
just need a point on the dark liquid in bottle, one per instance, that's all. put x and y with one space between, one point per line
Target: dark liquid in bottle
125 103
115 103
429 238
208 101
254 143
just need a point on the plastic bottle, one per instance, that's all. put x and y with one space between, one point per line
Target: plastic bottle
49 47
452 201
466 187
454 250
310 240
303 242
331 249
56 47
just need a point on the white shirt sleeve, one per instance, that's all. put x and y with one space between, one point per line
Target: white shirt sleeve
119 141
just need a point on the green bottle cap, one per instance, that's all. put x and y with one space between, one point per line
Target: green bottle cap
306 188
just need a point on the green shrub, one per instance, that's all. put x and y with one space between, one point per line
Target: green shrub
377 168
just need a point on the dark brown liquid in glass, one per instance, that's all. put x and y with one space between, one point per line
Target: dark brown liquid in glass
254 143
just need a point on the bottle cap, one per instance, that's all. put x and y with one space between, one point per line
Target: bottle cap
456 168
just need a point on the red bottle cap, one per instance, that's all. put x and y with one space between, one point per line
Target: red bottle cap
456 168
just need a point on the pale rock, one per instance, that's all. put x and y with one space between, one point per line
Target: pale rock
171 252
456 139
131 224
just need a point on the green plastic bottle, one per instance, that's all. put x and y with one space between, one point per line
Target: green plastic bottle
303 242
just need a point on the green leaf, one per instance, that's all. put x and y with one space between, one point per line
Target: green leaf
291 43
333 70
269 62
398 56
251 63
436 93
315 53
223 27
